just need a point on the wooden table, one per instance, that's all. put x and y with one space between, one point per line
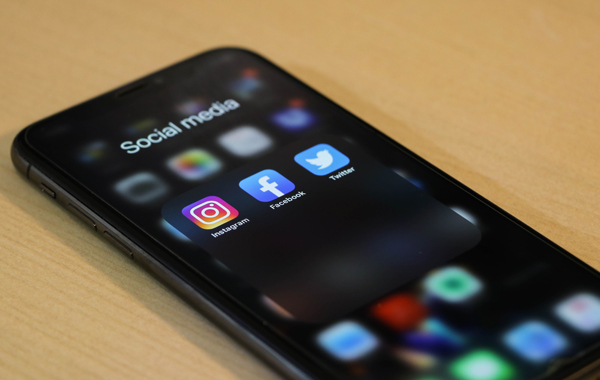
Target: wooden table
505 96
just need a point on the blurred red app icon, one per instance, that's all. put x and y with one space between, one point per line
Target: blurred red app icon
400 312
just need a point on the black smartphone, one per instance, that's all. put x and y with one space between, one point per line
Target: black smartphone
324 246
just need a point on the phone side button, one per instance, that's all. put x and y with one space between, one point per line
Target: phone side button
83 216
46 190
119 244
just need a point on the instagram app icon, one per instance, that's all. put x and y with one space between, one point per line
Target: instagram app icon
210 212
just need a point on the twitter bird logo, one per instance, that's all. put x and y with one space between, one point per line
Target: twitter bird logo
321 159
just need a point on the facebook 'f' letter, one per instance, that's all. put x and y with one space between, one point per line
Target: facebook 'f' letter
267 185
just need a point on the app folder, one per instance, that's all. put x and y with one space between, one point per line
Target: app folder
342 245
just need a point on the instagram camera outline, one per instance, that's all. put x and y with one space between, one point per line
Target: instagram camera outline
187 212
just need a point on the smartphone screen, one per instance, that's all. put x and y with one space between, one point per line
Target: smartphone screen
362 255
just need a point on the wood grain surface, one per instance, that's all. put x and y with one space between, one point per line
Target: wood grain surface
503 95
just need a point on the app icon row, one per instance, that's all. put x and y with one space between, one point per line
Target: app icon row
265 186
193 164
197 164
425 337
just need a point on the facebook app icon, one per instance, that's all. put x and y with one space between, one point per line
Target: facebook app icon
267 185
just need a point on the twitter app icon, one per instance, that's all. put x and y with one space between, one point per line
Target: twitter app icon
322 159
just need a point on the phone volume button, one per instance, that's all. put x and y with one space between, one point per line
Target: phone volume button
83 216
46 190
119 244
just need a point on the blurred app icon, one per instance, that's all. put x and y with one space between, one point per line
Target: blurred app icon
481 365
192 106
210 212
294 117
415 359
581 311
267 185
321 159
141 187
93 151
194 164
347 341
452 284
535 341
245 86
436 327
140 126
400 312
173 231
434 337
245 141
